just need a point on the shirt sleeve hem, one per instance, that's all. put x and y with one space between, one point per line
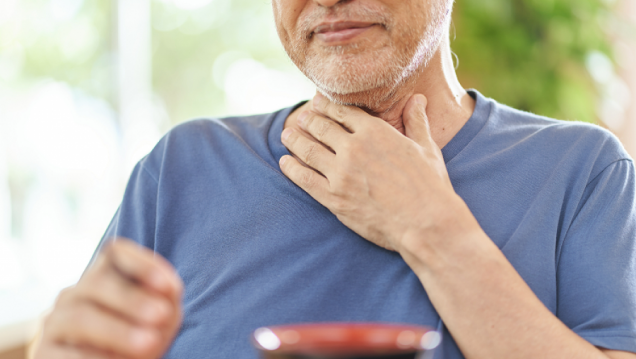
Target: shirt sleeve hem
623 341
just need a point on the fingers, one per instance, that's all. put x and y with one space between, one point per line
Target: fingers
127 304
96 328
323 129
415 120
306 178
126 299
347 116
141 265
313 153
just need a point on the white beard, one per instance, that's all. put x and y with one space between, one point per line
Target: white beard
346 70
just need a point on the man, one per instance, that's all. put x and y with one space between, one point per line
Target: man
516 240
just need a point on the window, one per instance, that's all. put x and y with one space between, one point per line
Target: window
86 89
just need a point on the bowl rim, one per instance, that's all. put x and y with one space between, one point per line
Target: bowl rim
360 338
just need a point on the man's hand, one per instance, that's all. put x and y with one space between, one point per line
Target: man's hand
126 305
378 182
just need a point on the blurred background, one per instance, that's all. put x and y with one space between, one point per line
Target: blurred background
88 87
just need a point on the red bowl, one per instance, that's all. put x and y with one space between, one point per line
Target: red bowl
344 340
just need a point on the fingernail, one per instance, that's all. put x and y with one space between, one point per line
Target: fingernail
283 160
302 117
286 133
141 338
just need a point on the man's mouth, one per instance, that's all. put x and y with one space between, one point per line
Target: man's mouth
337 32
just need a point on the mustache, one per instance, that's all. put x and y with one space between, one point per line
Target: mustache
346 11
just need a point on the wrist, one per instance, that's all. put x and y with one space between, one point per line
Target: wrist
452 237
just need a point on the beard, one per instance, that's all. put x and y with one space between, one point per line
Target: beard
368 73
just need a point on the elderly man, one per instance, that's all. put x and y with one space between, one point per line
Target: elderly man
515 240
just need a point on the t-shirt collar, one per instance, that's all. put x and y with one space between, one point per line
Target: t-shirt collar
470 129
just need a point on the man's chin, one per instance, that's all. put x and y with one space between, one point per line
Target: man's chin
362 81
373 99
353 81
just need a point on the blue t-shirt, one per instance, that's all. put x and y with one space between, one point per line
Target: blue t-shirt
253 249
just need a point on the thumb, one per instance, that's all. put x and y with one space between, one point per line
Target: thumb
415 120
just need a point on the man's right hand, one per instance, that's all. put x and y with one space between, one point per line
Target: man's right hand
126 305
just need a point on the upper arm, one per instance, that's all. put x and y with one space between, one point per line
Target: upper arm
597 265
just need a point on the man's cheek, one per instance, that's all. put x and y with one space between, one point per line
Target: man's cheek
286 14
288 11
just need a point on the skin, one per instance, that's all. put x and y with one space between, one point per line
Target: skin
357 161
126 305
382 174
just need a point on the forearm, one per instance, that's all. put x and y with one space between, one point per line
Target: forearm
485 304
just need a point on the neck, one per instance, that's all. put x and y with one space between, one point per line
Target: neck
449 106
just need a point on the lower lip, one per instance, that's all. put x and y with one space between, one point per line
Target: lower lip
342 35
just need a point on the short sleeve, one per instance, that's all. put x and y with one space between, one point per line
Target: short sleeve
596 267
136 216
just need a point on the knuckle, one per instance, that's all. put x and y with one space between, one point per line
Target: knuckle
323 128
347 181
355 148
340 111
345 146
352 149
336 189
342 187
309 153
306 179
310 119
340 205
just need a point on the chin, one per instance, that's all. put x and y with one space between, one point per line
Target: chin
374 101
352 80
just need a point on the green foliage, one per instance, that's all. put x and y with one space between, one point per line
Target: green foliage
530 54
71 44
188 43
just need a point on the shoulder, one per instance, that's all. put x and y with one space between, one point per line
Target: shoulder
574 143
523 124
204 136
218 128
